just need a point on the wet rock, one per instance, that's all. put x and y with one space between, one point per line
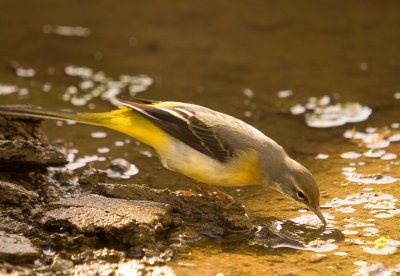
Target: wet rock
14 226
92 177
15 194
13 269
60 264
21 128
17 154
24 146
16 248
104 254
71 240
228 214
120 221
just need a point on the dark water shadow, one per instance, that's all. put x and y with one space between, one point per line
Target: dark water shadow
274 237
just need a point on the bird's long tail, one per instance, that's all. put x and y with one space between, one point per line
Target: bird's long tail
37 112
123 119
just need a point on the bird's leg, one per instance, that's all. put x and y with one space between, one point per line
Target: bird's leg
207 189
191 193
220 194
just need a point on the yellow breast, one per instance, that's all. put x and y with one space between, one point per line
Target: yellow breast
242 170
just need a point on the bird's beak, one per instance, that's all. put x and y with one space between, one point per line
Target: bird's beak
319 214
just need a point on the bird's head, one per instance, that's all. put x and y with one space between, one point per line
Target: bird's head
297 183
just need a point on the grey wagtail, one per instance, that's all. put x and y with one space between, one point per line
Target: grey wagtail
203 144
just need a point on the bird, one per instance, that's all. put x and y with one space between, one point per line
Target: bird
210 147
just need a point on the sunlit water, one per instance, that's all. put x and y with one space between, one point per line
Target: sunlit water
288 70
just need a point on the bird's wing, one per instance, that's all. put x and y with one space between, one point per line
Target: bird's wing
184 125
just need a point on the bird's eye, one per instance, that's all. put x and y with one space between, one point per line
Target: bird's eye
301 195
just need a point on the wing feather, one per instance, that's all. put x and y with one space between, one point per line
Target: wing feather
186 127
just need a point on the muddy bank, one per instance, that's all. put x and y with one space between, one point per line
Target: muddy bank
57 220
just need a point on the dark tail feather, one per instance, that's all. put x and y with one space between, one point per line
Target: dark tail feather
37 112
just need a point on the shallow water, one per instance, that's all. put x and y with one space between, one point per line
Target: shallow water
236 58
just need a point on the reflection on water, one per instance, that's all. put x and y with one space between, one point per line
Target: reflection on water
297 235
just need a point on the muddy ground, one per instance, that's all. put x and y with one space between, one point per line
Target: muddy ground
54 220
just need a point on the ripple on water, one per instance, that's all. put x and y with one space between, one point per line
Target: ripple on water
371 179
284 94
317 245
372 138
389 156
349 232
81 162
6 89
350 155
371 200
337 115
72 31
374 153
377 269
297 109
311 219
387 213
383 246
98 85
121 169
98 134
322 156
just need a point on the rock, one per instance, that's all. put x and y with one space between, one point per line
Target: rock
16 248
21 128
120 221
14 226
17 154
92 176
104 254
23 145
60 264
224 213
15 194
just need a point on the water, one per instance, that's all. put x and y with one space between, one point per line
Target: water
239 58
